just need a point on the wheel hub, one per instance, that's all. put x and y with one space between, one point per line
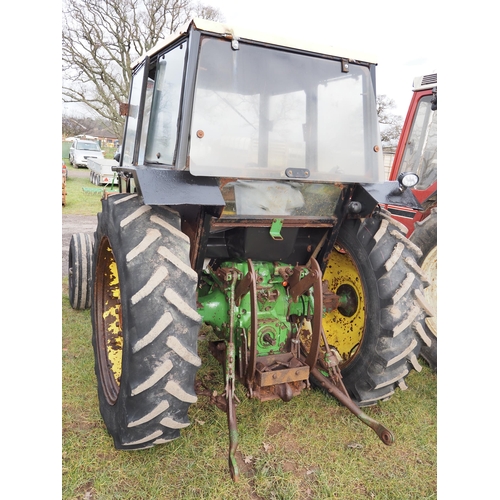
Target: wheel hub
348 300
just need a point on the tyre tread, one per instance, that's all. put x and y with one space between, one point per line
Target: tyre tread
160 334
425 237
385 359
80 270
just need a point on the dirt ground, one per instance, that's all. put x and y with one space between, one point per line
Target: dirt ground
75 224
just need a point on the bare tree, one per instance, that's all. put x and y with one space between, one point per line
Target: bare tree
72 125
207 12
100 40
391 124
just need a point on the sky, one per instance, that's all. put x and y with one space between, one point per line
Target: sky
402 42
376 28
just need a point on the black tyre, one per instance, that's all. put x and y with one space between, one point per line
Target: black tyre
145 323
378 329
80 261
425 237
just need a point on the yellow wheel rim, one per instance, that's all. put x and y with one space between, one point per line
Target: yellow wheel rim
345 325
108 321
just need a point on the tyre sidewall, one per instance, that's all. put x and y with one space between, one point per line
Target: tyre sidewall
360 255
425 235
113 415
385 259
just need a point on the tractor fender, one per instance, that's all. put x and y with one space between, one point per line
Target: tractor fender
388 193
161 186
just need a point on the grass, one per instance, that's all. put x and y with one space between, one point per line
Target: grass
78 201
309 448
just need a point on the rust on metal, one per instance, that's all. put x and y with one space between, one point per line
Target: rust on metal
282 376
383 433
124 109
231 411
280 369
228 223
230 385
330 299
299 284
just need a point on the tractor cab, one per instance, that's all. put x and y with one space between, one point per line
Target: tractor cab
255 111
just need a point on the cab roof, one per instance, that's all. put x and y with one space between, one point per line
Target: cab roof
233 32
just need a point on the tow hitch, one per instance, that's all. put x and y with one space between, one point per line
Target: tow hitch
270 316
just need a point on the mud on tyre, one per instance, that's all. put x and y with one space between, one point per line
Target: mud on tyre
145 323
380 333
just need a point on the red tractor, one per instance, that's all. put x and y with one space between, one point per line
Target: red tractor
417 153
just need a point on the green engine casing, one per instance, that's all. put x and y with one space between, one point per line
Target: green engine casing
274 307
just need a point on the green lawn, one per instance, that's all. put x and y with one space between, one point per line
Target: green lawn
83 197
309 448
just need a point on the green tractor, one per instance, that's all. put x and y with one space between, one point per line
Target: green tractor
250 200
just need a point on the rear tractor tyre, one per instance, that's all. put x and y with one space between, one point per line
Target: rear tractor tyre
425 237
80 261
379 329
145 323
